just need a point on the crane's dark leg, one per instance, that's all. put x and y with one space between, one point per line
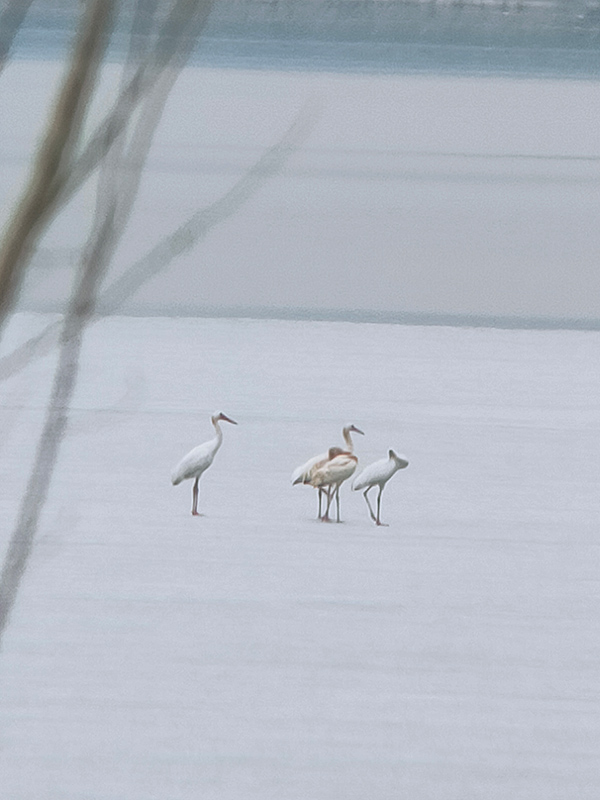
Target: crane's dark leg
378 521
195 498
320 499
337 502
366 496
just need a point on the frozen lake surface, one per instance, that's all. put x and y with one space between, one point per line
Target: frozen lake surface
257 653
408 196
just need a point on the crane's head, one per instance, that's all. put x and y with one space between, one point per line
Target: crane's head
354 429
401 461
219 416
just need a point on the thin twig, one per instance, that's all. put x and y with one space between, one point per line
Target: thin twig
162 55
36 209
11 20
53 162
199 224
181 240
103 240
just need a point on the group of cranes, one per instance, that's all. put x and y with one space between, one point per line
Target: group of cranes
326 472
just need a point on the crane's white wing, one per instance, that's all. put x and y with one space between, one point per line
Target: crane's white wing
334 471
378 472
303 472
194 463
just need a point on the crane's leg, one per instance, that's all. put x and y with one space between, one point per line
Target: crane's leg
330 493
320 499
195 498
366 496
337 502
378 521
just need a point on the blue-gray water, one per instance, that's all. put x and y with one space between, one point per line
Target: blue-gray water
516 38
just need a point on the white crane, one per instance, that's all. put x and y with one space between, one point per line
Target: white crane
300 474
378 474
199 460
338 467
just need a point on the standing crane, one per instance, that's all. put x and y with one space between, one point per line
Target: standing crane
198 460
302 472
378 474
338 467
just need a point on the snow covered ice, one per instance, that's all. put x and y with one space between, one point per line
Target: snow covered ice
257 653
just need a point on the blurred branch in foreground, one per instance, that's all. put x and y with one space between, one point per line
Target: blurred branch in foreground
181 240
53 163
198 225
176 38
11 19
117 188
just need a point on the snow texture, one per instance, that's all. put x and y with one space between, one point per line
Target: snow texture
254 652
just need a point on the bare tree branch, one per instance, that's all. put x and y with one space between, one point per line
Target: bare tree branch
115 123
37 346
115 196
36 209
197 226
185 21
11 20
52 164
182 239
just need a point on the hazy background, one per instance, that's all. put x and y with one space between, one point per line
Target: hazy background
452 173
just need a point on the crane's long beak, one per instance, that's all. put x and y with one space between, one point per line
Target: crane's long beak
226 419
357 430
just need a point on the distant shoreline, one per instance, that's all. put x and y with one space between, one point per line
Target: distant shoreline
515 38
355 316
357 57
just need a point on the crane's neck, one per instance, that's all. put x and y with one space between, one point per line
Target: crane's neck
219 437
348 440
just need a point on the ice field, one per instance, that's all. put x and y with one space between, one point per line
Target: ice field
255 653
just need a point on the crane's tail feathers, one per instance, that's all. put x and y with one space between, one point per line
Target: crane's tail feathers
299 479
175 479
